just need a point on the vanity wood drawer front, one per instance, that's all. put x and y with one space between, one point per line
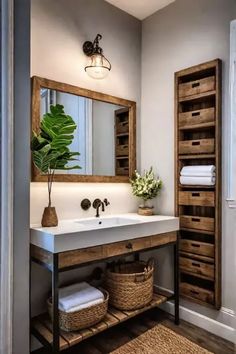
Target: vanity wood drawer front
196 87
197 222
197 198
158 240
122 150
188 119
196 292
197 267
125 247
122 127
75 257
196 247
201 146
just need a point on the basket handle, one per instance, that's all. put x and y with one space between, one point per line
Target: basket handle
143 277
150 263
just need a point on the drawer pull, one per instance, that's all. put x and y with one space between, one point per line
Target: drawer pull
129 246
196 219
124 146
196 84
124 124
195 114
195 264
194 292
194 143
195 194
194 245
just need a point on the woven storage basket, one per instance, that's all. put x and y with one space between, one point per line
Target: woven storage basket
74 321
130 285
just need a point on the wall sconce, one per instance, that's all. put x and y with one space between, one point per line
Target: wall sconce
98 66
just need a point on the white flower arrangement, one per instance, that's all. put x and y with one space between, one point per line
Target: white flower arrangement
147 186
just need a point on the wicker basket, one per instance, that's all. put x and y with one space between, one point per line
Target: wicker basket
74 321
130 285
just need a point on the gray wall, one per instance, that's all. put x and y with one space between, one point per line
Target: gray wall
183 34
21 177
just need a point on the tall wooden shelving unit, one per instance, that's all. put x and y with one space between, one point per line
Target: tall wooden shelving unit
198 142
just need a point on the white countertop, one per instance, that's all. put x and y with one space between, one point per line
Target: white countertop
70 234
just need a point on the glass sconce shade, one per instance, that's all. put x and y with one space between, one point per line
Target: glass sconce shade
98 66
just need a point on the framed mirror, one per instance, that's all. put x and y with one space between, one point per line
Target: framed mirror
105 134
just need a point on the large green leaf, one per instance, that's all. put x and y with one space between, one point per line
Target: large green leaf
51 146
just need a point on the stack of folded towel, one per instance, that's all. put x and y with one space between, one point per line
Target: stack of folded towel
79 296
198 175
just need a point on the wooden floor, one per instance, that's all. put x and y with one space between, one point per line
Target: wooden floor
113 338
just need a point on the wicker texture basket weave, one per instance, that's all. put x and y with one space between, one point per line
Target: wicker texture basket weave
74 321
130 285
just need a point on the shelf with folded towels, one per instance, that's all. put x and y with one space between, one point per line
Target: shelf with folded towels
198 175
42 325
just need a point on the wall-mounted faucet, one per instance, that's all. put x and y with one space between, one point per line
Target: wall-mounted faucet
98 203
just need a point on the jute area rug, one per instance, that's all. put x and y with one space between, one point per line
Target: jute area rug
160 340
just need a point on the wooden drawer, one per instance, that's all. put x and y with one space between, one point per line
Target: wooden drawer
197 117
75 257
122 127
197 292
122 150
201 146
197 267
197 222
125 247
157 240
196 247
122 171
200 198
196 87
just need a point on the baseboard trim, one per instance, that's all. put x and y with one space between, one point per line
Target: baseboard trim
220 329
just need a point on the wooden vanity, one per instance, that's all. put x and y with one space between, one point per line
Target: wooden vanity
48 332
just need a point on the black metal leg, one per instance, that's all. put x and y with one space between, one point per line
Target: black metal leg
176 282
136 257
55 321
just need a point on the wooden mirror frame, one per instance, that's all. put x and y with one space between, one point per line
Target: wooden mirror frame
37 83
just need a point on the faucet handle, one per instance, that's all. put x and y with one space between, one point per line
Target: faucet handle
106 202
96 202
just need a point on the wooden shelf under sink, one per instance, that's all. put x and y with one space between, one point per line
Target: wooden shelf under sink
42 326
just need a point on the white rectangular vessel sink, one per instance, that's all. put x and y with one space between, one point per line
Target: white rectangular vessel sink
107 222
82 233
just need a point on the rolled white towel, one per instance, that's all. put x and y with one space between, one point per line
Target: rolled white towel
83 306
78 294
199 181
199 170
198 174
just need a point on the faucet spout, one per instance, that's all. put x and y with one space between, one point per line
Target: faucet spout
97 208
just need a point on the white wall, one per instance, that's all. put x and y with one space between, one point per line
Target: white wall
58 30
185 33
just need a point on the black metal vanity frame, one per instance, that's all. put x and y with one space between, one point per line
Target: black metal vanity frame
50 261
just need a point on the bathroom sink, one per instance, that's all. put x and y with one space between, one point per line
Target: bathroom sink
107 222
73 234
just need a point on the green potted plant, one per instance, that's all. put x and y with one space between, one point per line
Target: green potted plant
146 187
50 152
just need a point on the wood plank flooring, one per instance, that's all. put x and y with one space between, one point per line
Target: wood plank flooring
113 338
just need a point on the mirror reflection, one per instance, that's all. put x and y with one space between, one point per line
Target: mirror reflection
102 134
